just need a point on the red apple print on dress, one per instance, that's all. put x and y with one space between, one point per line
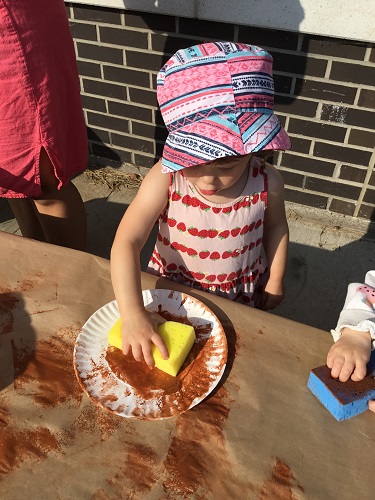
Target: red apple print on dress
192 252
164 217
263 195
193 231
237 206
254 198
176 195
160 237
183 248
226 254
203 233
227 210
258 223
235 232
221 277
175 245
231 276
171 267
163 261
235 253
224 234
244 248
244 230
166 241
181 227
212 233
215 256
194 202
172 222
251 227
204 254
211 278
216 210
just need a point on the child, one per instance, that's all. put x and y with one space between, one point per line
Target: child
354 335
220 203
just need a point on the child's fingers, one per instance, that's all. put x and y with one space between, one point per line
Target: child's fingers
158 341
336 364
147 354
359 372
125 346
371 405
346 370
137 352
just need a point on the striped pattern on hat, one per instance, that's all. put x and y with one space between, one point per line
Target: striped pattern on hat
217 100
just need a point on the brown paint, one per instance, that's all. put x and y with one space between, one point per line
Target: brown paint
281 483
197 462
21 445
8 301
46 373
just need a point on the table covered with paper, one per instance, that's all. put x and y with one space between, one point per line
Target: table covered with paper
259 433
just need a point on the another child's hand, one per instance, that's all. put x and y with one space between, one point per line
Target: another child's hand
349 356
271 296
139 332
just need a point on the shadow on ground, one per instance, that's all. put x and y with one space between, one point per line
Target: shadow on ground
323 257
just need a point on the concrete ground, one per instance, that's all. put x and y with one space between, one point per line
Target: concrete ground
326 252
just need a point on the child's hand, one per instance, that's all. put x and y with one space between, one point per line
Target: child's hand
271 296
139 331
349 356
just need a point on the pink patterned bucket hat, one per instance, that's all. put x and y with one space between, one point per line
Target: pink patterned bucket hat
217 100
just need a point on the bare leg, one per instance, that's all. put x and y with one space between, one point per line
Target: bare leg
27 217
61 213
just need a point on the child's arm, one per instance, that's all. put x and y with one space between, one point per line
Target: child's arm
275 239
349 356
354 334
138 325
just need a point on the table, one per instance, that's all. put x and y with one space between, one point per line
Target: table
261 434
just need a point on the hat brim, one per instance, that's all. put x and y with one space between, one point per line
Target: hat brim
209 139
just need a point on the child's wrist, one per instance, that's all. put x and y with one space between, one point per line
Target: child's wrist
347 331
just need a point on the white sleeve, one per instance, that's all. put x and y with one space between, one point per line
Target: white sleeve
359 309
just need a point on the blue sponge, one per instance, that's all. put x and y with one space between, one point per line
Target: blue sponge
343 399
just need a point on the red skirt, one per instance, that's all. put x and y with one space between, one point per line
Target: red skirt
40 104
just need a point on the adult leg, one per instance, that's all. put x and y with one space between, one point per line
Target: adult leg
61 212
27 217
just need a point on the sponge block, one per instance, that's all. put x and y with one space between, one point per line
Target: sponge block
115 335
343 399
178 338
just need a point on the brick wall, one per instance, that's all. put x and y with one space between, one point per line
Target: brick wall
324 96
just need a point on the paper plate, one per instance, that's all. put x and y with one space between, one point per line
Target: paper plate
151 394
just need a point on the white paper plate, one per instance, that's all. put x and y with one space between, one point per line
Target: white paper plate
133 399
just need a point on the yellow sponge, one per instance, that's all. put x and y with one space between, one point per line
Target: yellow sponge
178 338
115 336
